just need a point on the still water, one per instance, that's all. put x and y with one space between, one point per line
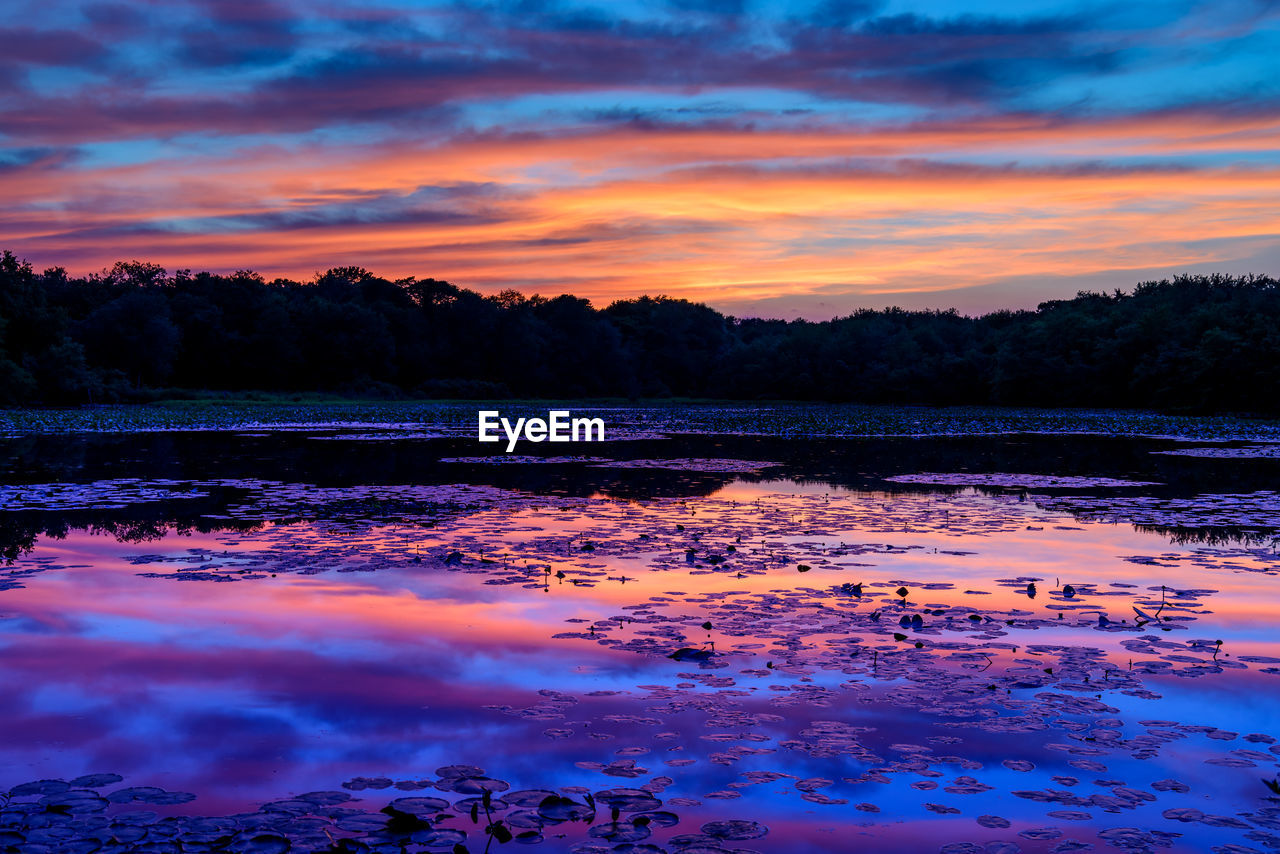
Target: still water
221 641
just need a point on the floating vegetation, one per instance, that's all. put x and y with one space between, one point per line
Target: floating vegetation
260 499
51 816
1016 481
1269 451
1254 510
700 465
683 464
384 436
100 495
790 421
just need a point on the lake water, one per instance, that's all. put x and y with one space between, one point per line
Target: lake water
258 634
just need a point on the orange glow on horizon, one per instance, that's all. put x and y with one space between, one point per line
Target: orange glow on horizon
711 215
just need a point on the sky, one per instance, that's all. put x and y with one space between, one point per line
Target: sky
781 159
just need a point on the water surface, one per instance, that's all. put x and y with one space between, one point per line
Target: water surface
1035 642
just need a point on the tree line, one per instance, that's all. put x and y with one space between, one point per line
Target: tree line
1191 343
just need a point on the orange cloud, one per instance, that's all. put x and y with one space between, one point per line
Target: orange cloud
716 214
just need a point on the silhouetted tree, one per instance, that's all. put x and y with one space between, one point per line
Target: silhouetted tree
1192 343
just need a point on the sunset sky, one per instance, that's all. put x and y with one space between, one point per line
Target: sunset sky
770 158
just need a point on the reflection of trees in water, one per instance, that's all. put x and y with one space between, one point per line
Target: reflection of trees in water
150 530
1222 535
1214 535
16 538
20 532
643 485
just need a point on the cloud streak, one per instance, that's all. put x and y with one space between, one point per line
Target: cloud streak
713 150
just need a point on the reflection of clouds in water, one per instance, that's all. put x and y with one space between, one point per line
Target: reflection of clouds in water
367 655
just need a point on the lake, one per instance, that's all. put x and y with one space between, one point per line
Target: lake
774 629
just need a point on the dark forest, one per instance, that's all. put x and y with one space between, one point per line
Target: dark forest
1193 344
